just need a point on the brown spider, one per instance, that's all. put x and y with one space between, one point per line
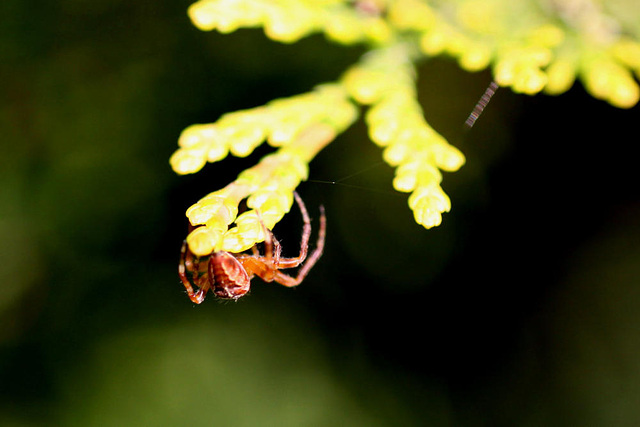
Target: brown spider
229 275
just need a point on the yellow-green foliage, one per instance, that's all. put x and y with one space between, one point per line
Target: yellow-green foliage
531 46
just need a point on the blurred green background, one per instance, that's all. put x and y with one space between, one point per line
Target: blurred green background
522 309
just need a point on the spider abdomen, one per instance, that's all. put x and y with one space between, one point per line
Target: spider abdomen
231 279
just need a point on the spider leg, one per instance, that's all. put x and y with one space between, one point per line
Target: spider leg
257 267
264 266
197 296
200 279
271 255
289 281
182 269
306 233
276 256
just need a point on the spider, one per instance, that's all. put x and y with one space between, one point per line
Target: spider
228 275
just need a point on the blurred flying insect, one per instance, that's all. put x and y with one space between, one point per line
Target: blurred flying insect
482 103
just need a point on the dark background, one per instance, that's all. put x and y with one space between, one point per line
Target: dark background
521 309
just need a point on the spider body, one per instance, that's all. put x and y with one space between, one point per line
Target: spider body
229 275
